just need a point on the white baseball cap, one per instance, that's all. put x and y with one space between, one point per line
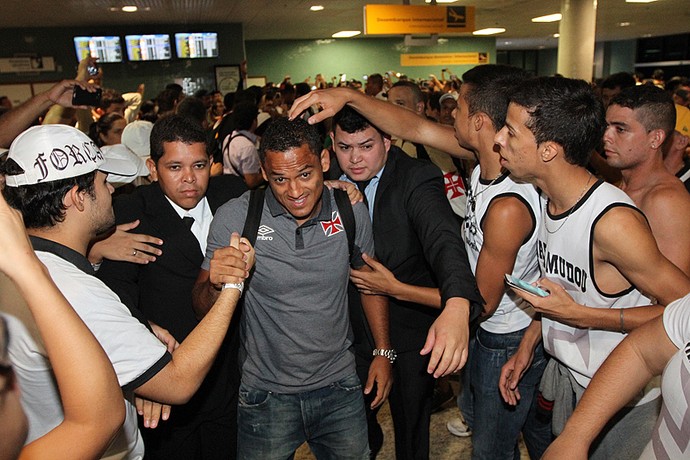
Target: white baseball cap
121 152
53 152
137 137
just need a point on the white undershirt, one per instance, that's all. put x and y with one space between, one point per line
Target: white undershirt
202 220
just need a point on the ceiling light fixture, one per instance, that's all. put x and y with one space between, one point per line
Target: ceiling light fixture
442 1
640 1
129 8
316 8
556 35
548 18
489 31
623 24
346 33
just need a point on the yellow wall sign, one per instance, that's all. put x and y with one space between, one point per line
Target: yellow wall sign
444 59
417 19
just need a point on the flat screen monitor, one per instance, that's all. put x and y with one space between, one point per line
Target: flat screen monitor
151 47
197 45
105 48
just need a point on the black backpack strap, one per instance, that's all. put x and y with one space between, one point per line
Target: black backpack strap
348 216
227 149
253 220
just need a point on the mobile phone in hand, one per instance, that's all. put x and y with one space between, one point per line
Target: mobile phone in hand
81 96
517 283
92 70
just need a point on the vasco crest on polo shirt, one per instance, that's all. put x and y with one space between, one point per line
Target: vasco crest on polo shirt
334 226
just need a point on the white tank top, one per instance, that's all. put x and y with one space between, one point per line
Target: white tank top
513 313
565 256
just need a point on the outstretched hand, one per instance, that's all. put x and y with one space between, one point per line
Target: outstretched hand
124 246
330 101
376 281
448 339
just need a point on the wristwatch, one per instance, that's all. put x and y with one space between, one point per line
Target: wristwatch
238 286
391 354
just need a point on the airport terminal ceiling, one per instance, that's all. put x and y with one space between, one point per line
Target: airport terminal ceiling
292 19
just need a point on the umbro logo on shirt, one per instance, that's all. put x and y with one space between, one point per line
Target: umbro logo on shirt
262 233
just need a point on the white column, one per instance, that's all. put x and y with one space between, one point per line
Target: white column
576 41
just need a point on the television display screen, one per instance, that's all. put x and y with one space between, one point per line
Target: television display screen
151 47
105 48
197 45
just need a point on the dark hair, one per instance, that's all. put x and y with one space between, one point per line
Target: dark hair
351 121
176 88
434 100
166 100
301 89
243 115
674 83
192 108
147 111
653 107
110 97
175 128
103 126
375 79
417 94
201 93
229 101
620 80
565 111
488 88
283 135
42 204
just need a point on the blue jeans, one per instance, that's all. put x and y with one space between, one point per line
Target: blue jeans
496 425
331 419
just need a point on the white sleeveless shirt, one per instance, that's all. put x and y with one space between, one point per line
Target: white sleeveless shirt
565 256
513 313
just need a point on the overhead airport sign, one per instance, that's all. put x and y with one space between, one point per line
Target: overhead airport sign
417 19
434 59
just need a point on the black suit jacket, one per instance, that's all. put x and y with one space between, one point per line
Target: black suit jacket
417 237
162 290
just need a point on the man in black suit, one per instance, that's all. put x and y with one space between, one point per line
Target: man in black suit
178 208
417 238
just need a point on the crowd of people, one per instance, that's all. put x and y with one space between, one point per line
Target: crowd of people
239 274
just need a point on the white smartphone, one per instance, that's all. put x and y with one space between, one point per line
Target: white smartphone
517 283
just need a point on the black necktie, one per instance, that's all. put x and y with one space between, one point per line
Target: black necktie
188 221
362 185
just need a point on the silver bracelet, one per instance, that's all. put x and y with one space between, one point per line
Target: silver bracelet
238 286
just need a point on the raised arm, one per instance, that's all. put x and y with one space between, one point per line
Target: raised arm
391 119
191 361
20 118
88 385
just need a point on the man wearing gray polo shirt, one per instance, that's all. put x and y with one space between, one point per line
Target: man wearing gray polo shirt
298 370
